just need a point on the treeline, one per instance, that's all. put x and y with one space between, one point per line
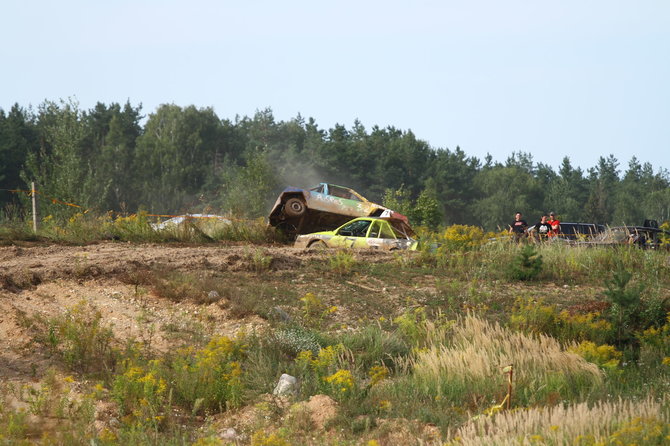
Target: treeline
187 159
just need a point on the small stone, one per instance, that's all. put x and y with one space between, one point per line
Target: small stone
279 314
213 296
287 385
229 434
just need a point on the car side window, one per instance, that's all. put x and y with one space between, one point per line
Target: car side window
342 192
386 231
339 192
318 189
358 228
374 230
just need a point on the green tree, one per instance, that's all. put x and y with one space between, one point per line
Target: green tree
503 192
18 137
453 176
603 187
424 211
567 193
629 202
111 136
248 191
59 167
175 153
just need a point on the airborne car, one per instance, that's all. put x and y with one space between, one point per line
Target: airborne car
321 208
384 234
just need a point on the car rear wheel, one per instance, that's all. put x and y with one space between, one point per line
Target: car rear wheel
294 207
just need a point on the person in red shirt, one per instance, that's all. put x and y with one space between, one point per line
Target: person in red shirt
555 225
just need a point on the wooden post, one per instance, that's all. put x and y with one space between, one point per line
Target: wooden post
509 387
33 194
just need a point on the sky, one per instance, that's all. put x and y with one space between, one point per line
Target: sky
575 78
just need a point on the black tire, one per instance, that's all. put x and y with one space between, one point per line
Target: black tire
294 207
286 230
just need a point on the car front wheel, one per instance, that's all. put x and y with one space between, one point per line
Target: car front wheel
294 207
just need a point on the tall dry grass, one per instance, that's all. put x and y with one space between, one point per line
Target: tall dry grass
468 367
602 423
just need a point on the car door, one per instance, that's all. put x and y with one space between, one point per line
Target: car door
351 235
346 202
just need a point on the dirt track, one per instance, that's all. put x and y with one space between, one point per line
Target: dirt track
50 279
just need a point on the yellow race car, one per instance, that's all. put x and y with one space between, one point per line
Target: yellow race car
384 234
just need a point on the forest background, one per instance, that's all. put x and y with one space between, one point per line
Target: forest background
186 159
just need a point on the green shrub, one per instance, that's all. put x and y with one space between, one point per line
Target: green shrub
342 262
208 379
464 238
605 356
534 316
527 265
656 341
142 394
629 314
325 373
259 261
53 398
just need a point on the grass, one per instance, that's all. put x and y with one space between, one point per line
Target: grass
469 364
612 422
82 228
412 348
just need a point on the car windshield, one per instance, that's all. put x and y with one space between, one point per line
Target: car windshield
358 228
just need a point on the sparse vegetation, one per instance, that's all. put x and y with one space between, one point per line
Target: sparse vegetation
409 348
78 337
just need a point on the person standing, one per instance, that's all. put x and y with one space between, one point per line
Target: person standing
555 224
518 227
543 228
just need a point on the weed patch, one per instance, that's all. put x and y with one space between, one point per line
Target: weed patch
342 262
78 338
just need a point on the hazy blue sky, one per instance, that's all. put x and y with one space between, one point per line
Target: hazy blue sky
572 78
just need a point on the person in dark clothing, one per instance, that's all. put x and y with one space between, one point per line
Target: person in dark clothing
542 229
518 227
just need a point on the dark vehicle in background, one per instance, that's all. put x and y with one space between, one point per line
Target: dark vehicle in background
322 208
645 237
578 231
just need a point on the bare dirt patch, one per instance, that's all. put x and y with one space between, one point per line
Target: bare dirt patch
47 280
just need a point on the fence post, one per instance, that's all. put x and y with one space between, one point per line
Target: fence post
33 194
